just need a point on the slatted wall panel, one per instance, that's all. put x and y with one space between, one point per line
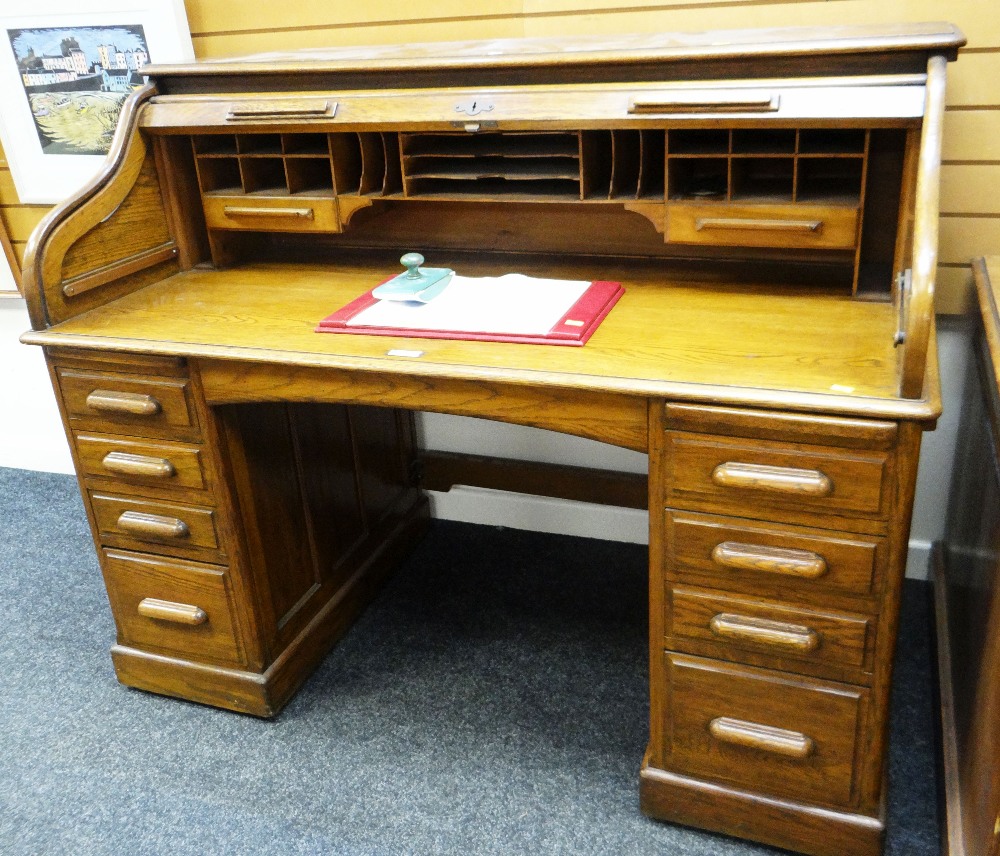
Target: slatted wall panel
970 211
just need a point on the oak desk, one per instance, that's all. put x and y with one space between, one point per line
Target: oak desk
768 200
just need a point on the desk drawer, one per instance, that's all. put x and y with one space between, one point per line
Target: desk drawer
765 479
137 405
763 731
733 628
135 462
139 524
770 558
171 606
792 226
272 213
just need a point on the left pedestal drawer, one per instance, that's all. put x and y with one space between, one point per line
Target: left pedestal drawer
144 405
128 461
172 606
137 523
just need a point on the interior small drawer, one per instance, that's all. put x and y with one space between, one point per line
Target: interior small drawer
764 731
272 213
138 523
141 405
138 462
766 479
171 606
734 225
770 558
732 628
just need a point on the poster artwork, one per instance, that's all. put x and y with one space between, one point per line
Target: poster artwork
76 79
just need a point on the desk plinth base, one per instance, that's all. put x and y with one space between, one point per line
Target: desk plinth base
265 693
781 823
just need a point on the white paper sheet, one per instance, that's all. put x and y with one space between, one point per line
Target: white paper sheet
513 303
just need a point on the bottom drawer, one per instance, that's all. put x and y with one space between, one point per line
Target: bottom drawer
171 606
763 731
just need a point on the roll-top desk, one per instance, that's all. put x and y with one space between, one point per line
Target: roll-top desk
769 202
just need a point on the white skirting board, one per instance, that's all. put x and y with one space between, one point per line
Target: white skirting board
541 514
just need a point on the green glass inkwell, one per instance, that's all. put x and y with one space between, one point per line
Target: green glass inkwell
416 283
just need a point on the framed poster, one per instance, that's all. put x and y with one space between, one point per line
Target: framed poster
65 69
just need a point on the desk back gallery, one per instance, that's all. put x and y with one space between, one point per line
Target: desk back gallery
768 201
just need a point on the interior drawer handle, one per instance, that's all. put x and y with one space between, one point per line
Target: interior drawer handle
779 634
792 744
776 479
250 211
127 464
769 560
744 224
152 525
167 610
132 403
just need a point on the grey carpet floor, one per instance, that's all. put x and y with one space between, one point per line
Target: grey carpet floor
492 701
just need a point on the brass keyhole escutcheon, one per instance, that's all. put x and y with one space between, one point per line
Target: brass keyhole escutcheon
474 108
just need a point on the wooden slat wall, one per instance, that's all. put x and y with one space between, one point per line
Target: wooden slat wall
970 211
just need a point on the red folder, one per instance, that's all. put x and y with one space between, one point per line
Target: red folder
575 327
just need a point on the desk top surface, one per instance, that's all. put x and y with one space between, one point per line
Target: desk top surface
790 347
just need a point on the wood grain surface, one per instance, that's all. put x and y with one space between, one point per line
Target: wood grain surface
663 337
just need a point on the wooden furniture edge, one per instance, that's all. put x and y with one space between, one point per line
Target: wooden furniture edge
231 689
35 261
952 843
782 823
582 51
989 309
214 358
917 307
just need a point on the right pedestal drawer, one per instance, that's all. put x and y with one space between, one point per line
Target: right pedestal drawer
811 565
764 731
771 479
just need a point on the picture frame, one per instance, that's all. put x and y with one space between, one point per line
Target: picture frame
65 68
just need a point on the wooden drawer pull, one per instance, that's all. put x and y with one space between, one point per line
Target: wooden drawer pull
744 224
288 108
792 744
287 213
152 525
779 634
776 479
132 403
703 102
127 464
167 610
769 560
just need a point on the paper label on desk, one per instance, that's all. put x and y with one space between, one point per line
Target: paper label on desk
512 303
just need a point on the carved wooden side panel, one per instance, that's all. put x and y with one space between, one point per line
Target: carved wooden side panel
110 239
